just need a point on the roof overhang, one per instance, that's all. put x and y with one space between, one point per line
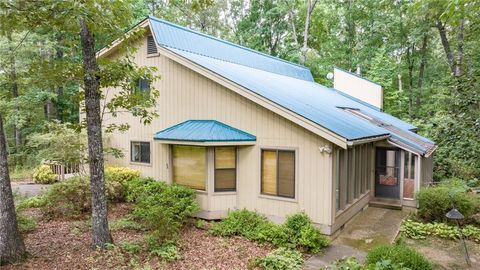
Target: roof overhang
207 143
145 23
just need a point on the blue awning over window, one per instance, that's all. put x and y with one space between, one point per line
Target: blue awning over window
204 131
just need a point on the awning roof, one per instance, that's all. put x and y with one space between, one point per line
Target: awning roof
203 131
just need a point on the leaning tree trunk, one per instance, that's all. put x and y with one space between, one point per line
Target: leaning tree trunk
100 233
11 244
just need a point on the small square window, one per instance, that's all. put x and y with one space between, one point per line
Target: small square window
142 85
140 152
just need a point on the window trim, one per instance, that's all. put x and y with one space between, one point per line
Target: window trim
224 191
140 162
296 171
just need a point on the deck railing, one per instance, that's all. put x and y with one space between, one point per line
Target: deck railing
63 170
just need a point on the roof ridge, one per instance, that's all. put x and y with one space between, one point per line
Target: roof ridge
227 42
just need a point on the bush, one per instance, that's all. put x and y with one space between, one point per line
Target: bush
69 198
435 202
142 187
44 175
166 211
399 255
25 224
121 174
297 232
281 259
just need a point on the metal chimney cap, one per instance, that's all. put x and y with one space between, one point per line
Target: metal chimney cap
454 214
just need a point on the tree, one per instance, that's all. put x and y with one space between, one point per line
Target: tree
11 244
94 21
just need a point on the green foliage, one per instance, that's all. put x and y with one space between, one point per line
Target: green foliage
70 198
162 208
398 254
33 202
25 223
130 247
435 202
167 251
125 224
44 175
281 259
418 230
297 232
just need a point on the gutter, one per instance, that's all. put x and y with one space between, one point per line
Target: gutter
367 140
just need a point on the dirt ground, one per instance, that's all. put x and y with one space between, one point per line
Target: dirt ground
447 254
65 244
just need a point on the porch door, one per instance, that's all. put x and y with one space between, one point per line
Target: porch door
387 173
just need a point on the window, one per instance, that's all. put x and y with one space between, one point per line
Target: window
140 152
151 46
278 173
225 168
142 86
189 166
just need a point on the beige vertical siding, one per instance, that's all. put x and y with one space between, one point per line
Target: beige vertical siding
186 95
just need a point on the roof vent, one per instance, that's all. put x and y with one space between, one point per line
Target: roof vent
358 87
151 46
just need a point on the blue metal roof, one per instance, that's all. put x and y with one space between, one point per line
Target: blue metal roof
203 131
279 82
178 37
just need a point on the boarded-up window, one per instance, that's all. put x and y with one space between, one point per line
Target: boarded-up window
278 173
225 168
140 152
189 166
151 46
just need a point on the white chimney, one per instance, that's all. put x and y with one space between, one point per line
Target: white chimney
358 87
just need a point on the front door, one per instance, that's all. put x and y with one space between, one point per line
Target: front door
387 173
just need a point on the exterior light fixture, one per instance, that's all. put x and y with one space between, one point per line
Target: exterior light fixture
455 215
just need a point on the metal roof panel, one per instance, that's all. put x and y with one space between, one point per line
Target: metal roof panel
203 131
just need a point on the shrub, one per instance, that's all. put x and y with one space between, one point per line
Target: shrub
44 175
32 202
399 255
121 174
25 224
142 187
435 202
281 259
69 198
165 212
297 231
168 251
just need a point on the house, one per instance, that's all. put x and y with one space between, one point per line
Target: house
248 130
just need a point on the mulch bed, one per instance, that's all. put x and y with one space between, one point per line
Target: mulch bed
65 244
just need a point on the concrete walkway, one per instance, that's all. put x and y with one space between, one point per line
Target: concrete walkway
371 228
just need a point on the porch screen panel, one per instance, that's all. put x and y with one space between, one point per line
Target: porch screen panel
286 174
189 166
225 168
351 175
269 172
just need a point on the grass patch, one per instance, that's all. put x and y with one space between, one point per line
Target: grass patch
125 223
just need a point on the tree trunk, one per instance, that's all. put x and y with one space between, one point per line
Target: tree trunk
459 63
310 7
100 233
410 61
421 70
59 55
446 45
13 79
11 245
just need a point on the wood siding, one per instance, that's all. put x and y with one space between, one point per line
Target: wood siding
184 95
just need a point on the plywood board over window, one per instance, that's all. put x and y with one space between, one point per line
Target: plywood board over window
189 166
